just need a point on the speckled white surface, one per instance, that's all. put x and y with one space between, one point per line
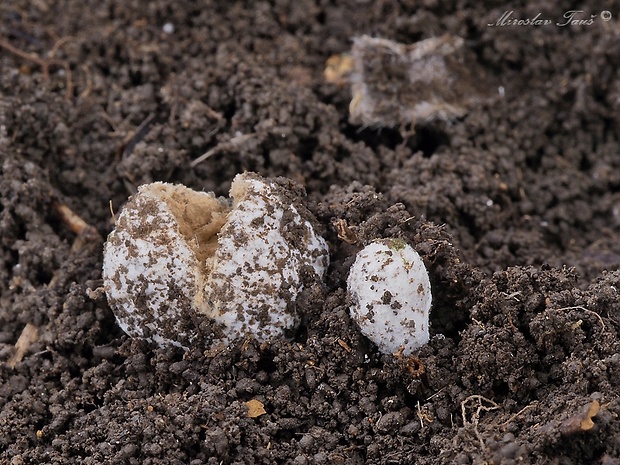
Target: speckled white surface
149 270
391 296
159 289
257 265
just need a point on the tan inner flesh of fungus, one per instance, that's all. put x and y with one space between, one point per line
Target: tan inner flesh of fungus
199 216
238 190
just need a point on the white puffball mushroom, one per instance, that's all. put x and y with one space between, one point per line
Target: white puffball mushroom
391 296
177 257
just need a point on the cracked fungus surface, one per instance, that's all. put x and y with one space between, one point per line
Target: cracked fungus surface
149 270
178 256
263 247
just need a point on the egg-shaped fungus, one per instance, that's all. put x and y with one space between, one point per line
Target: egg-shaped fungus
391 296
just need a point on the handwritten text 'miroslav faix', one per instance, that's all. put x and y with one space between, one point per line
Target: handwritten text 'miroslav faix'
570 18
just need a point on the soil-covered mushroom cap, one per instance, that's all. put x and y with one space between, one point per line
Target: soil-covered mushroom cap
178 257
391 296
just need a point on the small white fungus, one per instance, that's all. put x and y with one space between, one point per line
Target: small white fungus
391 296
178 256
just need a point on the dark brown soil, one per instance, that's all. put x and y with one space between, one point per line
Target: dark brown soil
514 207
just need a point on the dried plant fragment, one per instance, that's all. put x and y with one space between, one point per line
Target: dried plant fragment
255 408
582 421
29 334
338 68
